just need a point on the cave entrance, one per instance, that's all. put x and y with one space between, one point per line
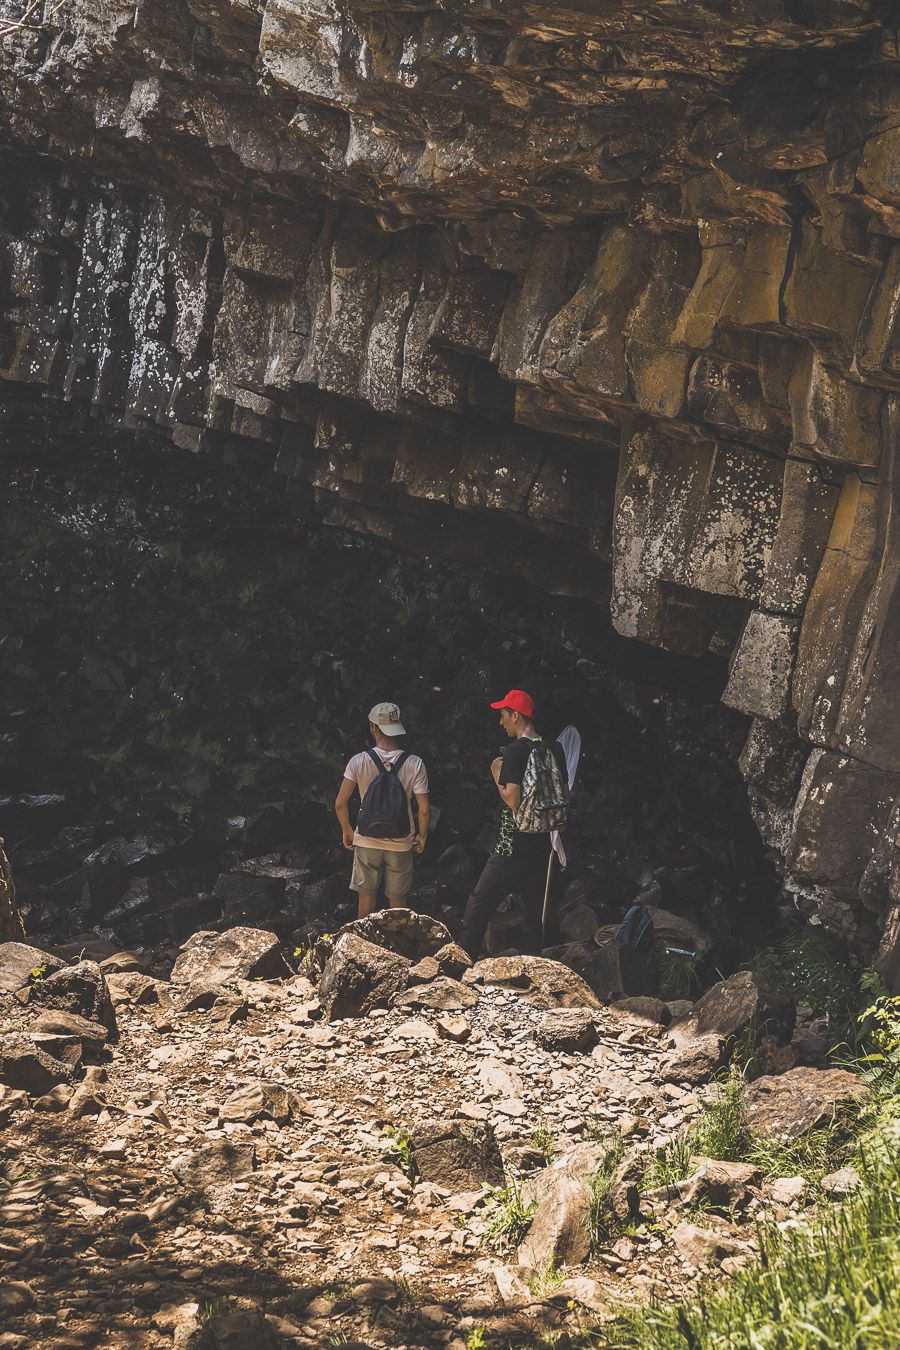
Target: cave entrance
189 661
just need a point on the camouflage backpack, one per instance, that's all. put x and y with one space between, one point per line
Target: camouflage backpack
544 804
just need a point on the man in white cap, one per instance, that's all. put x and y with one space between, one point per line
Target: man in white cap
385 839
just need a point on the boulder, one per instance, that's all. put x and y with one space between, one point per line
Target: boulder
132 986
452 960
560 1231
462 1155
402 931
67 1049
599 966
788 1190
744 1004
57 1099
568 1030
92 1035
677 931
360 976
742 1008
23 1065
545 983
81 989
699 1247
444 994
718 1185
692 1059
236 954
263 1100
579 923
18 960
214 1164
11 1100
838 1185
85 1102
784 1108
453 1029
16 1297
424 970
651 1009
247 1329
582 1162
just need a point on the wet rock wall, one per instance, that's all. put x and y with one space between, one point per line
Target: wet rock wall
606 298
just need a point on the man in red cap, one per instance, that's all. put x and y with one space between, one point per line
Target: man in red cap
519 860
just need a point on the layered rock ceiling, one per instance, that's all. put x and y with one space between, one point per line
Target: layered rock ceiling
604 293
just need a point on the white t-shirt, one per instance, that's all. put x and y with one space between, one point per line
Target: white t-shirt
412 774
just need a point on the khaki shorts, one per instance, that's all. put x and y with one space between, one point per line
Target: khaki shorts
370 864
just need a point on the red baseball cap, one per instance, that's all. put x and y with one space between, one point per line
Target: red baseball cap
518 701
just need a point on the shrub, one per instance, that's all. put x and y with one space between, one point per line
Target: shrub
812 965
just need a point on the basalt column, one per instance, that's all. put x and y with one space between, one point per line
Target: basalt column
608 298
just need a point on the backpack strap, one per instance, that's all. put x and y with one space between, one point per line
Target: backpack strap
389 768
378 762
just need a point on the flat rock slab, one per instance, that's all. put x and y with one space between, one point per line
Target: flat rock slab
444 994
93 1035
236 954
215 1164
263 1101
567 1030
784 1108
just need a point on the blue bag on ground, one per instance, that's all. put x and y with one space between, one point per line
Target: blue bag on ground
384 813
636 929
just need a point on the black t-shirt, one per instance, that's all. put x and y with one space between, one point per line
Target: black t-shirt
512 770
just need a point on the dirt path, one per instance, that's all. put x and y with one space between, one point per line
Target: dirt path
126 1227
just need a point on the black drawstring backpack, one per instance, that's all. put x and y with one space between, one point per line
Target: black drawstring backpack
384 813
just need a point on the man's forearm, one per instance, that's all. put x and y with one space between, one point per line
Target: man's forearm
424 821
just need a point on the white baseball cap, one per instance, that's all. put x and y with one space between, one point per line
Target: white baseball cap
386 717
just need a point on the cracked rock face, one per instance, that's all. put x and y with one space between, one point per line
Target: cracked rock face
608 297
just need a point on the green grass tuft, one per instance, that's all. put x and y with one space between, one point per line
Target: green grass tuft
832 1286
398 1147
509 1215
721 1132
600 1220
670 1164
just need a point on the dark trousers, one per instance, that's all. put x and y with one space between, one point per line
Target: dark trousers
524 873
